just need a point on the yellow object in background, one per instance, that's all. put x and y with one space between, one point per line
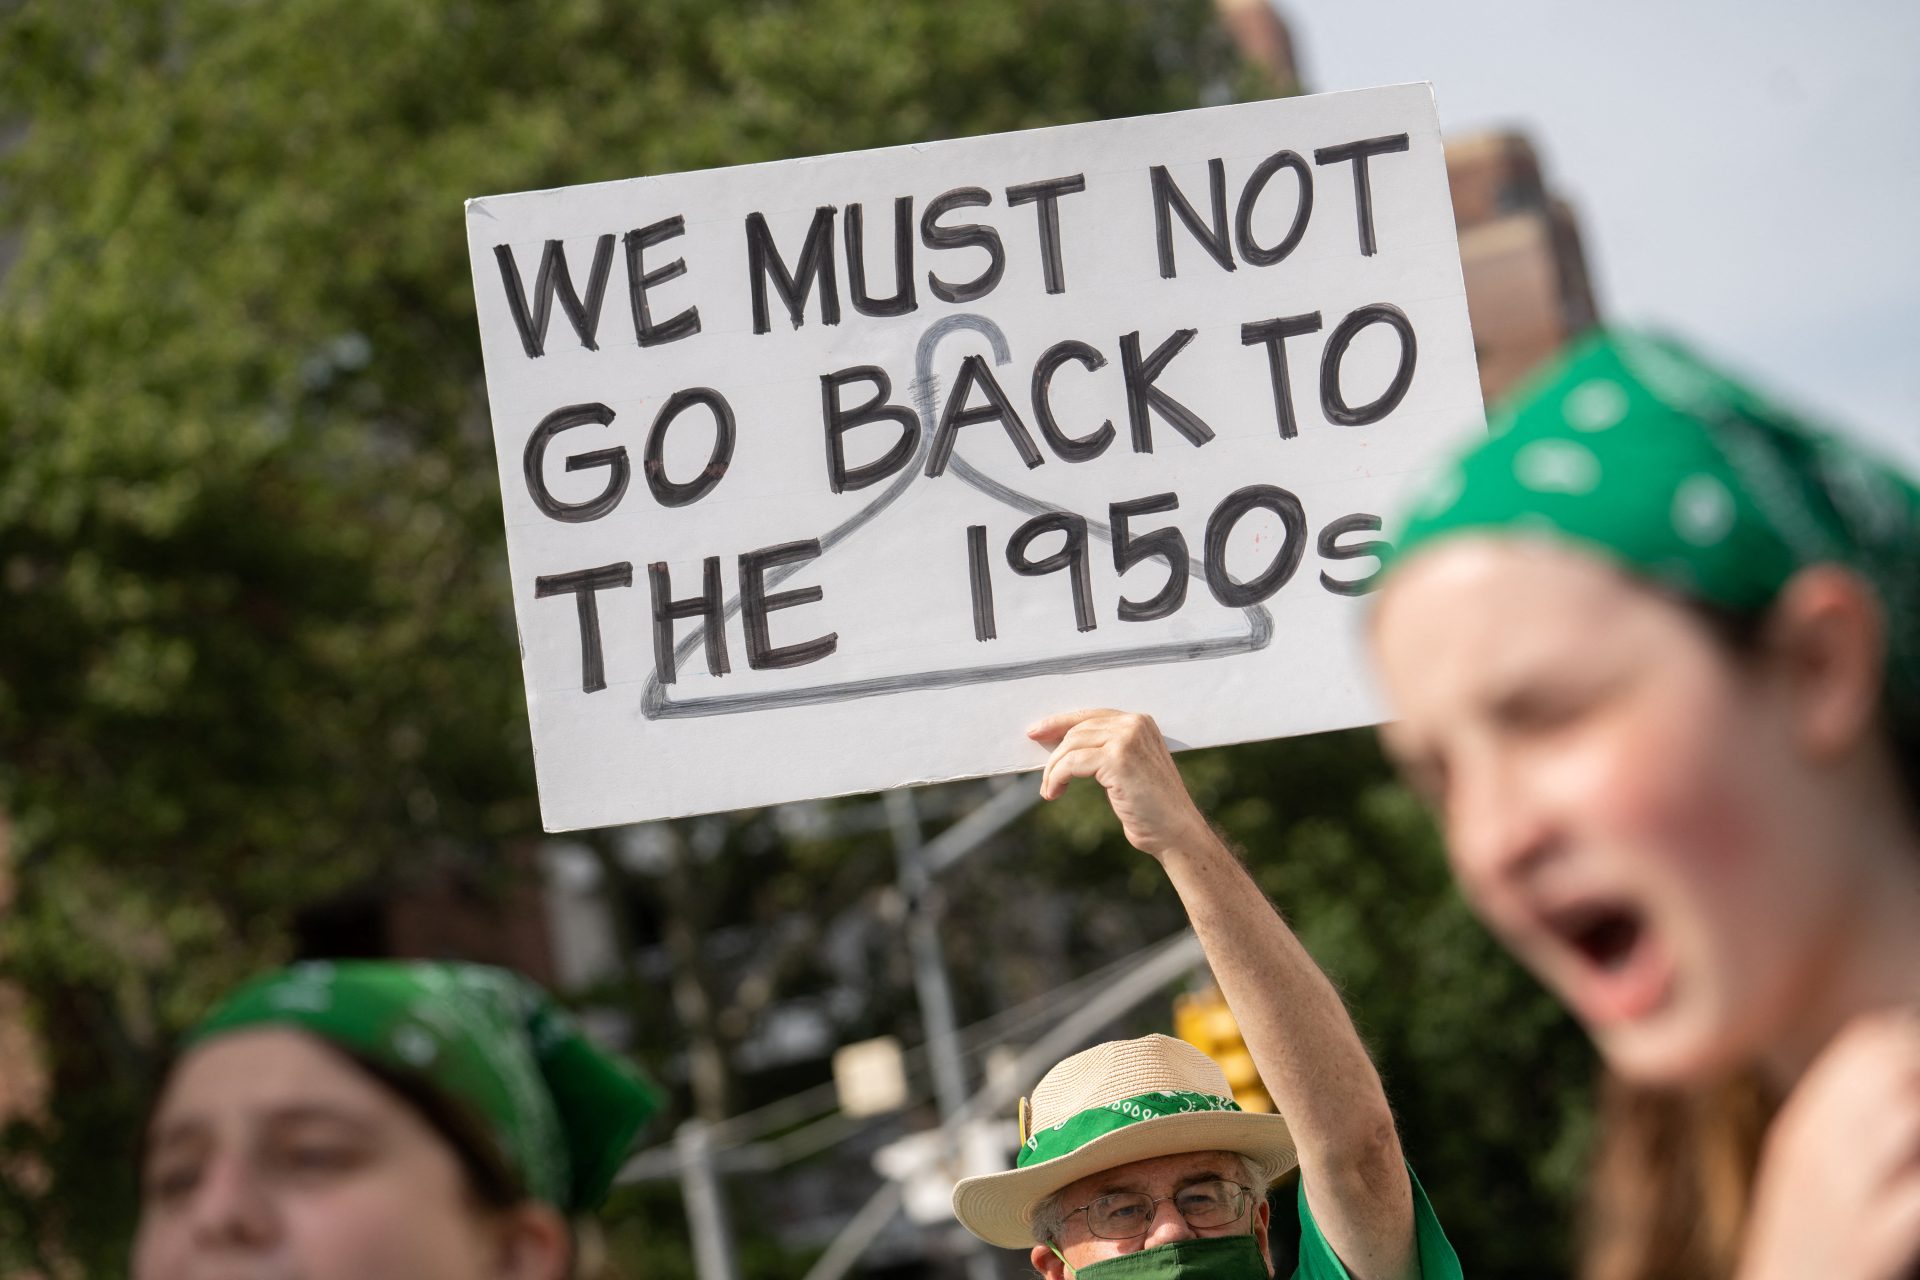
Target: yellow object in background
1202 1019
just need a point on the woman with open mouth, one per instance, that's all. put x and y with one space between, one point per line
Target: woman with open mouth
1654 650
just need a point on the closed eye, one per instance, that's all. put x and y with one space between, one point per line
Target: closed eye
317 1142
170 1179
320 1157
1542 706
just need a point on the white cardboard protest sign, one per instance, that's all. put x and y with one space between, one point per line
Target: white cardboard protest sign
830 475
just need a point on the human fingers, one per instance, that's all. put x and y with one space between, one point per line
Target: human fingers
1875 1056
1856 1111
1051 728
1091 731
1136 749
1092 734
1890 1241
1068 763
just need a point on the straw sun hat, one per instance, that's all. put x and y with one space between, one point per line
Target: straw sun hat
1115 1103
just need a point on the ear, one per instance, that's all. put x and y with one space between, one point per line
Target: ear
1261 1216
1047 1263
1826 634
532 1243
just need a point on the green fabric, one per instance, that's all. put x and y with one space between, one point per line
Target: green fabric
1633 446
1437 1258
1082 1127
1238 1257
562 1112
1212 1258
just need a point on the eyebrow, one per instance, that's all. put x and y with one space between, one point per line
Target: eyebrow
195 1126
309 1112
1182 1183
175 1132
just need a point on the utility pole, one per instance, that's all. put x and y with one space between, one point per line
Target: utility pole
713 1257
930 982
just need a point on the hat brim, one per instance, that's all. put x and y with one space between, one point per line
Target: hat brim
999 1207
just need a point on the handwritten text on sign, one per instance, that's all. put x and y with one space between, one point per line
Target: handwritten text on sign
829 475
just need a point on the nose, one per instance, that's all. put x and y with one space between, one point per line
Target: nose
1496 824
231 1209
1167 1225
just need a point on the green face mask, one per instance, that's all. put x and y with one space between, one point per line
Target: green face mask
1215 1258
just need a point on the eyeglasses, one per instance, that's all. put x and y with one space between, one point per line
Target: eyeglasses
1126 1214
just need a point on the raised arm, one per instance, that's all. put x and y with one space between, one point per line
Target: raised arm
1310 1057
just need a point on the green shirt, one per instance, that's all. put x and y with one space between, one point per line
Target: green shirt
1437 1259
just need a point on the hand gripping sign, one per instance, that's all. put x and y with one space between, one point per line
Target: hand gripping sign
830 475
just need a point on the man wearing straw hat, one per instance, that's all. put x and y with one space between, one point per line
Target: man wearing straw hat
1135 1163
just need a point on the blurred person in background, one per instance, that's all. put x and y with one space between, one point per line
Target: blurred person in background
1654 650
376 1120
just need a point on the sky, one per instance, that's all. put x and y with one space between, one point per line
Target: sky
1746 175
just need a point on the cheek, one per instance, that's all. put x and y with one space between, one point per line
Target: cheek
1700 819
381 1230
1672 789
1093 1249
1689 816
159 1249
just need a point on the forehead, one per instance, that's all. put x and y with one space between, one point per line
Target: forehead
1496 579
267 1069
1156 1176
1474 610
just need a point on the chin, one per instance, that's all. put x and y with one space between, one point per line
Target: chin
1676 1049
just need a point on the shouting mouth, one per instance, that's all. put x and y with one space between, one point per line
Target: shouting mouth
1619 969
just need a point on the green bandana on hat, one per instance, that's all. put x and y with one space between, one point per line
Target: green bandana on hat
1074 1132
1632 446
562 1112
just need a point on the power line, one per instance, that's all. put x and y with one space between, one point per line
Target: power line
734 1139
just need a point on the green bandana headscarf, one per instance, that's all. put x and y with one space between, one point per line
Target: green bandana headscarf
1632 446
562 1112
